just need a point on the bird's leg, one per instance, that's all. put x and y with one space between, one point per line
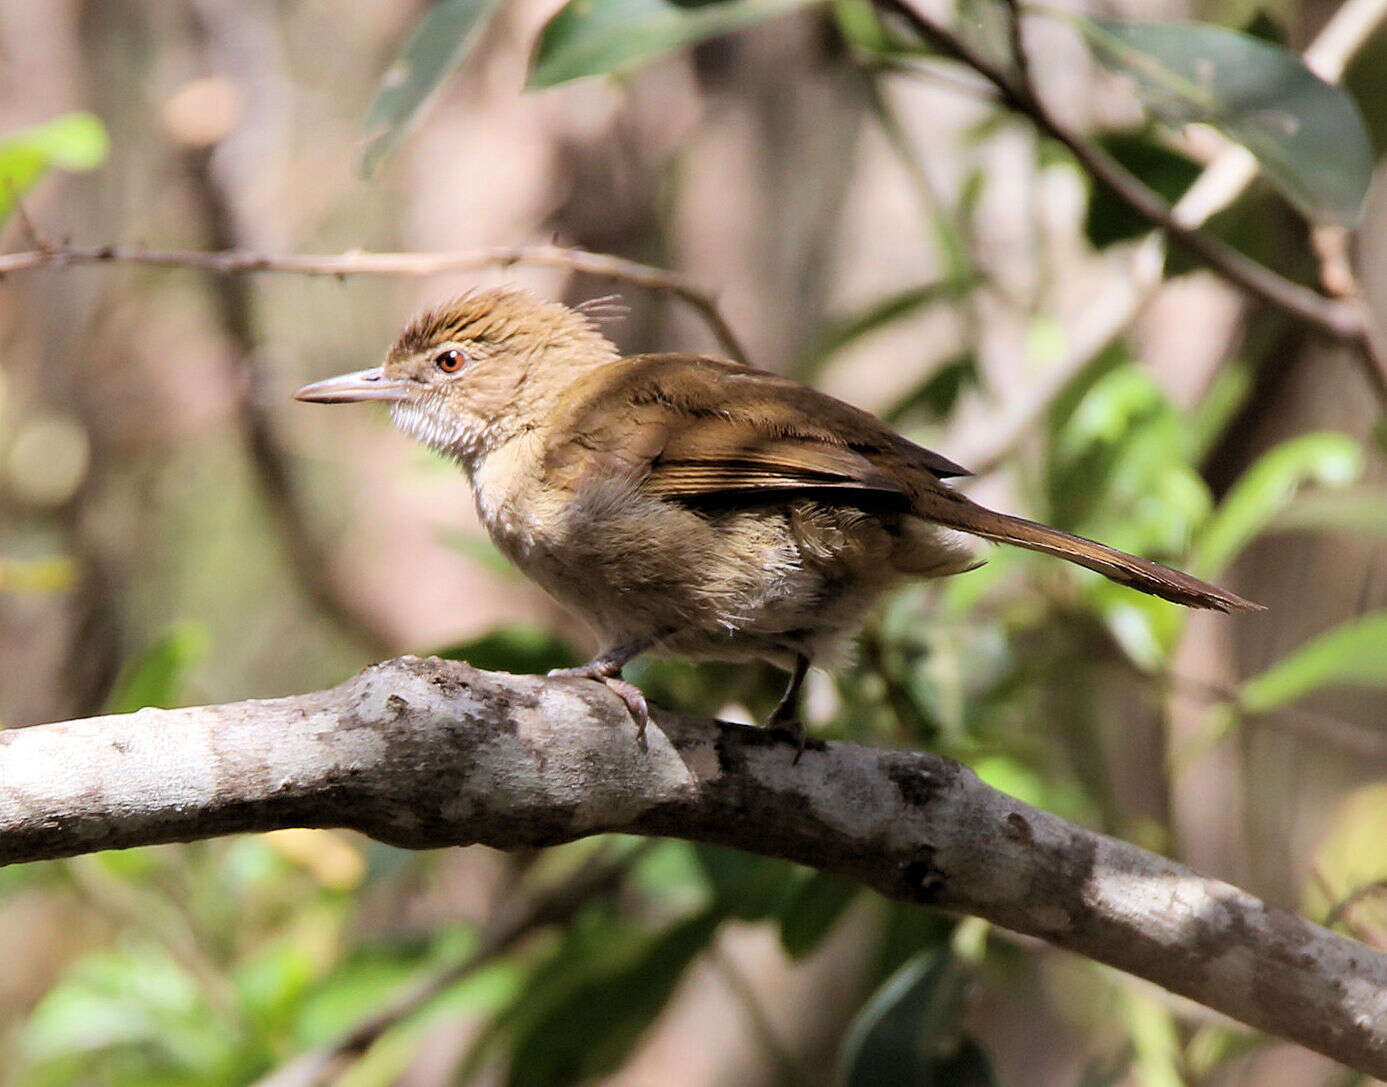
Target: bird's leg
606 667
785 717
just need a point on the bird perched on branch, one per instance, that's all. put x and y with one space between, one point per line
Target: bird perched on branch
686 504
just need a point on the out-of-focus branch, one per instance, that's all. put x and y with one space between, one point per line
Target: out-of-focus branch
1330 316
357 262
428 753
1331 244
303 546
515 919
1124 296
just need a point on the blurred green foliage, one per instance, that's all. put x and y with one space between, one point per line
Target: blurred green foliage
232 957
73 141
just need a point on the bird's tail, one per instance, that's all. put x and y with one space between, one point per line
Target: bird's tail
960 513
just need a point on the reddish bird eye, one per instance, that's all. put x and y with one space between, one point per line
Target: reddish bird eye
450 361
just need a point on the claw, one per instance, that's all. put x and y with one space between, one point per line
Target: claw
792 728
631 695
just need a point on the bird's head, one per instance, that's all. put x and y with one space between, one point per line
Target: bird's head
471 373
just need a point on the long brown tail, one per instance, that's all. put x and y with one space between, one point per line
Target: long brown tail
957 512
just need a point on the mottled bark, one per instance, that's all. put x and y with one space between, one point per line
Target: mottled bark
425 753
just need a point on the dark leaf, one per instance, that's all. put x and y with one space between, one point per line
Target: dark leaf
1164 169
936 398
594 37
440 41
592 1028
523 650
813 910
1307 135
745 886
878 315
907 1034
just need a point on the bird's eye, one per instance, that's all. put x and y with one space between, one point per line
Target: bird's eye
450 361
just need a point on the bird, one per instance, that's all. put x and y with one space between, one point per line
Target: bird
687 504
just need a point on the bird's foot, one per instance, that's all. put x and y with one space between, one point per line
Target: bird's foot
792 728
631 695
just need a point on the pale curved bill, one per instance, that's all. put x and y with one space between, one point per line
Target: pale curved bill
363 385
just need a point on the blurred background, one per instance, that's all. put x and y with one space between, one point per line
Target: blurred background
174 529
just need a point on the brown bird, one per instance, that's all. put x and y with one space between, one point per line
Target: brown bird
687 504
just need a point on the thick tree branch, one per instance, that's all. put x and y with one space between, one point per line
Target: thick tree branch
425 753
357 262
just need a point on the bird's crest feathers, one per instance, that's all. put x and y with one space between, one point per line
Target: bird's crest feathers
502 316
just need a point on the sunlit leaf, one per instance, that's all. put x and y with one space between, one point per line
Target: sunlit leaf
440 41
54 574
1306 134
594 37
1154 1037
1348 510
1264 491
1352 653
126 1010
156 677
1224 398
72 141
1352 857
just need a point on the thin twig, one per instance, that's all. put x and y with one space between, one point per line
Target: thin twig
1331 245
358 262
513 920
1330 316
1125 296
304 548
1352 899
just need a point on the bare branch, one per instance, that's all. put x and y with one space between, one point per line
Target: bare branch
1218 186
426 753
1331 245
358 262
1330 316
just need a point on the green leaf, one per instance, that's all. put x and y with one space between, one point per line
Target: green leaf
879 314
595 37
72 141
1167 171
1352 653
519 649
590 1030
1348 510
1307 135
156 677
1264 491
813 910
907 1033
1220 404
936 397
745 886
440 41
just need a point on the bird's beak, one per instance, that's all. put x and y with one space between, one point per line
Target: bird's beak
369 384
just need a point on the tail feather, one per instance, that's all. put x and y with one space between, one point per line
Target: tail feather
1143 574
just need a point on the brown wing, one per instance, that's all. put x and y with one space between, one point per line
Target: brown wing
719 460
703 431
